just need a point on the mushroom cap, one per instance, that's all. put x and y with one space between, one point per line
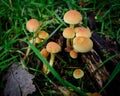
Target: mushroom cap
82 31
68 33
43 34
53 47
37 40
73 54
32 25
96 94
78 73
72 17
44 52
89 94
82 44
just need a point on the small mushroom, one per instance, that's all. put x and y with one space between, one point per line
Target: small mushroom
82 44
43 35
96 94
45 54
78 73
93 94
52 48
73 54
68 33
82 31
72 17
32 25
38 40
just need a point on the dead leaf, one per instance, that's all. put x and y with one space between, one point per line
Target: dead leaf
18 82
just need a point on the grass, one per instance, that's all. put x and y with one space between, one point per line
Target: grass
13 42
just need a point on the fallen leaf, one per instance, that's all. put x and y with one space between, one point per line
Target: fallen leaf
18 82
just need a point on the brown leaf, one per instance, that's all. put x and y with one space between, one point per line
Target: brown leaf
18 82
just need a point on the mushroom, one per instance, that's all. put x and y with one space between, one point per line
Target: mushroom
73 54
82 44
52 48
45 54
96 94
72 17
43 35
93 94
82 31
78 73
37 40
89 94
32 25
68 33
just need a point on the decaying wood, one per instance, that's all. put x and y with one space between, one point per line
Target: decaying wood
93 61
102 45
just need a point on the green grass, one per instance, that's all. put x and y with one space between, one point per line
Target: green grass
14 36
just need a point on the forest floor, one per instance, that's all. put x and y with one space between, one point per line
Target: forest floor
23 75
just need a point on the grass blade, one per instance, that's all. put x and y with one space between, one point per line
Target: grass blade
114 73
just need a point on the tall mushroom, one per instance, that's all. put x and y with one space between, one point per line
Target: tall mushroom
69 34
72 17
52 48
32 25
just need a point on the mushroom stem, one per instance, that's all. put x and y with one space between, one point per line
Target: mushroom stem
71 40
27 53
52 57
72 25
68 42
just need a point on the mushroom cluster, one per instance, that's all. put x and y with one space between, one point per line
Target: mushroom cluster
33 25
77 38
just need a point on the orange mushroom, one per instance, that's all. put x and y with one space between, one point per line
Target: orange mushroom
45 54
32 25
68 33
78 73
37 40
72 17
73 54
82 31
93 94
52 48
82 44
43 35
